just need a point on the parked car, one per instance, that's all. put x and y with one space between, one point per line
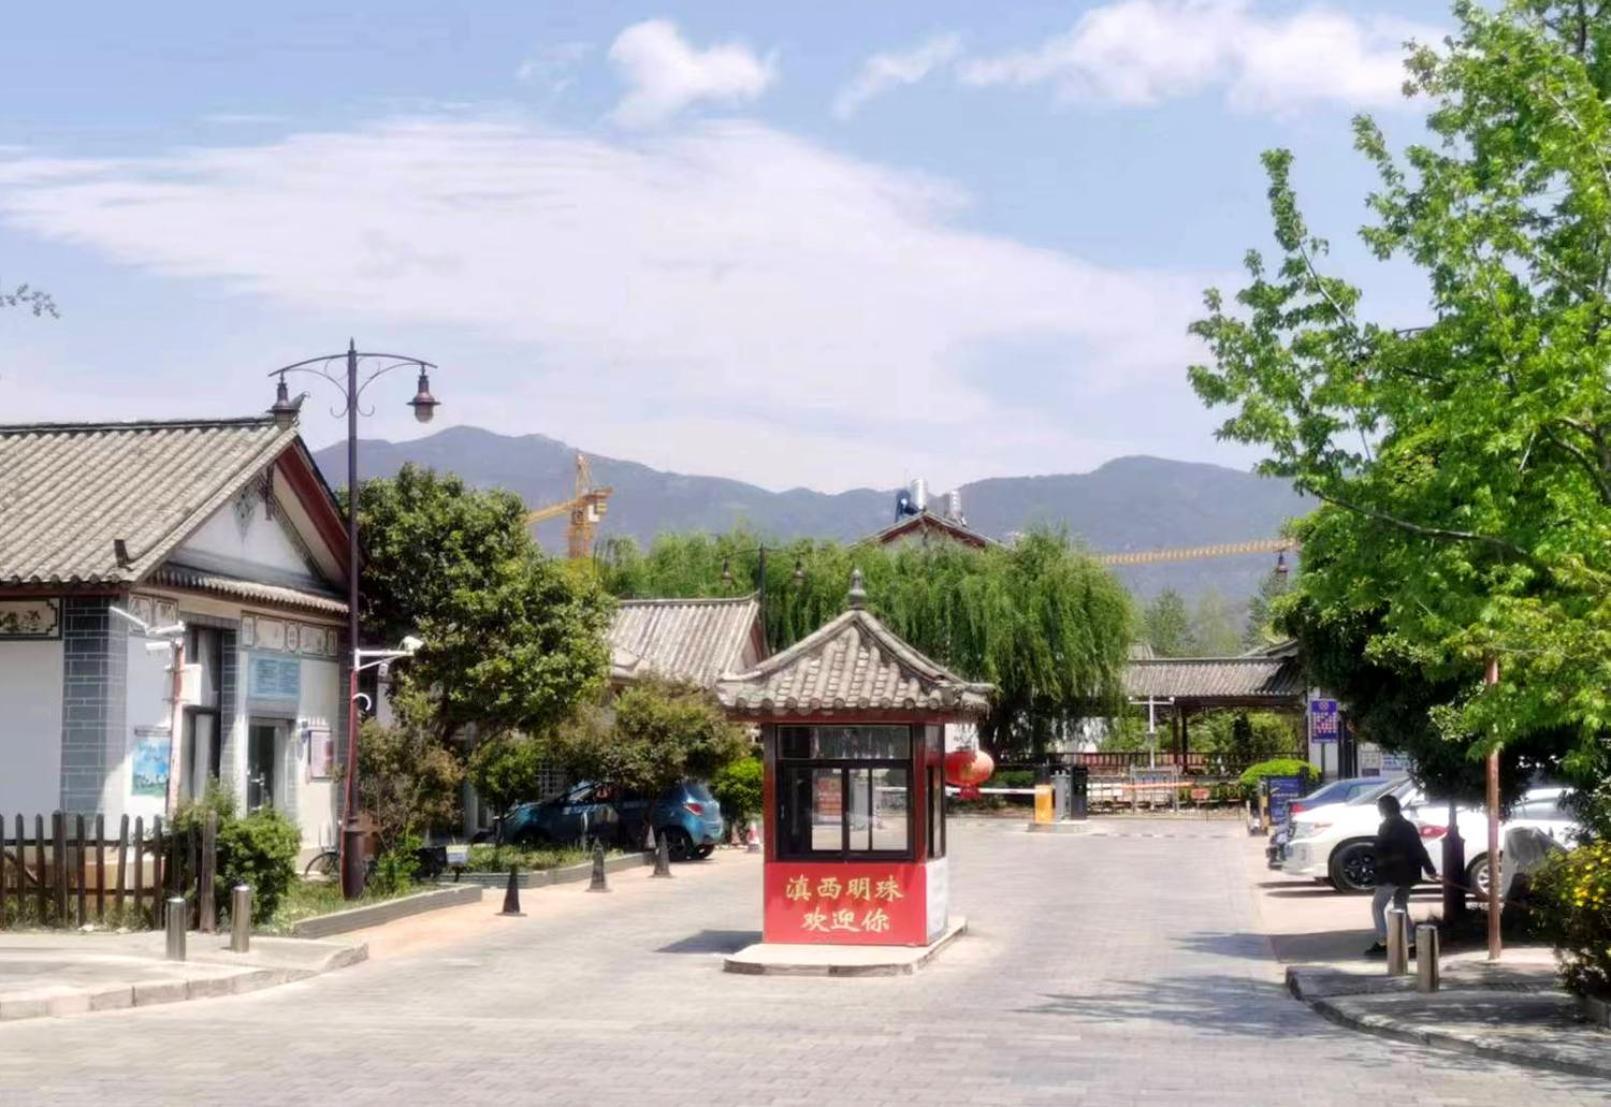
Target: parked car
686 813
1347 790
1337 845
1540 809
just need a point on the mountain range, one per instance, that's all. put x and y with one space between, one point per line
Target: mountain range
1129 503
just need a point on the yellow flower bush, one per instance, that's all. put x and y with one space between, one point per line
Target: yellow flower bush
1574 902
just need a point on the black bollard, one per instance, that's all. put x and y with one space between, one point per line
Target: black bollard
662 856
599 883
511 896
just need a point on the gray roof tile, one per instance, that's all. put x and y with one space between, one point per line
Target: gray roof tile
689 640
854 663
68 490
1226 678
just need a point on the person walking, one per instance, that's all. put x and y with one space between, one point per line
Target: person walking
1401 857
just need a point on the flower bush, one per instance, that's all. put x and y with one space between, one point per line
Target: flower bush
1573 900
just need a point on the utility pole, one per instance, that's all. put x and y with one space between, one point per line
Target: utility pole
1491 679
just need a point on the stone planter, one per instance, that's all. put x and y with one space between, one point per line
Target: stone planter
373 914
1596 1011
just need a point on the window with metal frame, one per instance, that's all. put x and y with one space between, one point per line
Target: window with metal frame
845 793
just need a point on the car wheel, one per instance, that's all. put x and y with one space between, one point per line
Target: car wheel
705 851
678 844
1477 878
1353 868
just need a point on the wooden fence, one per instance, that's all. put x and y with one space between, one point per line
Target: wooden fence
69 873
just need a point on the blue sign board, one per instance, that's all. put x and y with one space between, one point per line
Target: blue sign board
1322 720
274 678
1282 790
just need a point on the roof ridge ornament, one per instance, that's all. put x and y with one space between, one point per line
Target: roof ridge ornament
858 591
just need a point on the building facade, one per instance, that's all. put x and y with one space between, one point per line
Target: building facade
111 537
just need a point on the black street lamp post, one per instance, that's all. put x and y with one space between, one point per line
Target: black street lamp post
761 552
285 411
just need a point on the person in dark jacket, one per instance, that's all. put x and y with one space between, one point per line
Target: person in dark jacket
1401 857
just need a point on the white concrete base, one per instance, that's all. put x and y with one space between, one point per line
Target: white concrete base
780 959
1066 826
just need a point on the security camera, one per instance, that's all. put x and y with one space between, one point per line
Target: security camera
411 645
157 647
172 630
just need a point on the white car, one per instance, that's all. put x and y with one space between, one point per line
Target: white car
1541 809
1336 844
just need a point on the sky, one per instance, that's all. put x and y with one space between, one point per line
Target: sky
829 245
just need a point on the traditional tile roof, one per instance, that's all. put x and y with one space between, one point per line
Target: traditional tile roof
688 640
852 664
179 576
925 523
69 491
1235 680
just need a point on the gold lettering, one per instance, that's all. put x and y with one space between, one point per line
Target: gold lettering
798 888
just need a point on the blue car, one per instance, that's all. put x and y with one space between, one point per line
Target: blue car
686 813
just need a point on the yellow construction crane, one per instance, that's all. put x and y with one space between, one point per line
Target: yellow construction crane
586 508
1277 546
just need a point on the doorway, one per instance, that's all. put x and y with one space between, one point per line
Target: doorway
264 742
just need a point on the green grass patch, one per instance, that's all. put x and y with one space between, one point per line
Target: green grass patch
497 859
305 899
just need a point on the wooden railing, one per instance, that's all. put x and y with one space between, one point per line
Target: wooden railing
68 872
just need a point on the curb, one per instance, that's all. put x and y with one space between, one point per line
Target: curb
374 914
543 878
152 993
1539 1055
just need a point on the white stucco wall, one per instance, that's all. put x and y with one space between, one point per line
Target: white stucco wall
223 542
317 801
31 737
148 707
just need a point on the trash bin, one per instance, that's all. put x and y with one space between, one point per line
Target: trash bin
1079 786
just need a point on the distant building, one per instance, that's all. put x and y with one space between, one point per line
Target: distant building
225 525
692 641
916 521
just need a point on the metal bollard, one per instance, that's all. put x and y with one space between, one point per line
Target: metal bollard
240 919
1398 941
662 857
1427 974
178 915
599 883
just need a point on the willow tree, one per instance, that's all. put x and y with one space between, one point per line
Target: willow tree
1044 623
1466 462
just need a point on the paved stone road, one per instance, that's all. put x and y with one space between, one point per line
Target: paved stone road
1100 970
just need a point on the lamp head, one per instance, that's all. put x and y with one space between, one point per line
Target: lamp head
423 403
411 645
285 409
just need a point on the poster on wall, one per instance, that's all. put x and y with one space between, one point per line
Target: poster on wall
321 752
149 762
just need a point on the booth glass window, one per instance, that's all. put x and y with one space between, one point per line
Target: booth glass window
844 792
934 747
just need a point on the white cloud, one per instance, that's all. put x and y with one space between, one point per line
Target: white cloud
664 74
636 295
553 68
882 72
1139 52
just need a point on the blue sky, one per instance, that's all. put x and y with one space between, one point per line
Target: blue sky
830 245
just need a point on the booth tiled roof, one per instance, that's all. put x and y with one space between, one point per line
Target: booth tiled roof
854 663
688 640
1215 678
68 491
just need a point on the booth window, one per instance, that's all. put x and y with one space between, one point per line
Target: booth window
844 792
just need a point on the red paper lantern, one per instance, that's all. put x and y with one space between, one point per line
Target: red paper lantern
967 769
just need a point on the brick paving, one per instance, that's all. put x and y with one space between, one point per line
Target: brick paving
1099 970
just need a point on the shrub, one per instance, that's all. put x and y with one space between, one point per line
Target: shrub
1572 897
1280 766
259 850
737 787
396 868
408 781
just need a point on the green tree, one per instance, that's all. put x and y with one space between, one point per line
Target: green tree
653 735
1213 627
34 299
1465 464
1168 625
507 769
1043 622
408 781
513 641
1261 630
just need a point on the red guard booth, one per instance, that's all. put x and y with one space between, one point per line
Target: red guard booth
852 724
